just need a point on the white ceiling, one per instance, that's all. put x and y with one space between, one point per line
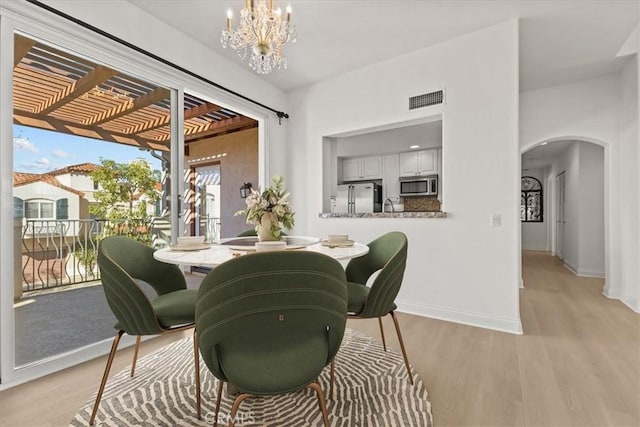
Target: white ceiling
561 41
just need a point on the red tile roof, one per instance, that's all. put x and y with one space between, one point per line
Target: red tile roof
83 168
22 178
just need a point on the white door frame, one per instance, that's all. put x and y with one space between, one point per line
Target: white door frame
608 190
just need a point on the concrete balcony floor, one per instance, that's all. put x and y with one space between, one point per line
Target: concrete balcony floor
52 323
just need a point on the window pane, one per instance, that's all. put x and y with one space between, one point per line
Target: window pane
46 210
31 210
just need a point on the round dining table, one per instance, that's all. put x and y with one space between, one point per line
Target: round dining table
213 254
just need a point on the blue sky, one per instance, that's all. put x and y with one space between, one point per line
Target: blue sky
38 151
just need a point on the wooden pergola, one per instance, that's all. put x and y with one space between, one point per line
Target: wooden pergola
57 91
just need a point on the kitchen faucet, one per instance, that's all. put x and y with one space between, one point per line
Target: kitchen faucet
384 205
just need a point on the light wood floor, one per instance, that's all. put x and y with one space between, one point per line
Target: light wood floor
577 364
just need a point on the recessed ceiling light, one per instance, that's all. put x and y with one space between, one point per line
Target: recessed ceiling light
544 143
414 147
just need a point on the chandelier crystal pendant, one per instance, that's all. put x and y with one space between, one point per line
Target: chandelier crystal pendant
263 32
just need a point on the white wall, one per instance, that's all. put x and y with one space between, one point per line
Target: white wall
583 239
591 210
459 268
80 182
534 234
602 111
628 221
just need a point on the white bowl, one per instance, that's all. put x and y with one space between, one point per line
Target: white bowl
190 240
337 238
271 245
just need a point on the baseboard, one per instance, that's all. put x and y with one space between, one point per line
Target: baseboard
584 272
632 303
480 320
535 248
570 268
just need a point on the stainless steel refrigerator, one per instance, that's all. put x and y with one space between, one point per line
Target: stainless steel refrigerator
363 197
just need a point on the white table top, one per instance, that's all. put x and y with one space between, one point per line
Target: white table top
216 254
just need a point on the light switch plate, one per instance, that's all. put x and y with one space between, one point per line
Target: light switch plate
496 220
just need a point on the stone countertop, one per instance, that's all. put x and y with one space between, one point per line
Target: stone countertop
386 215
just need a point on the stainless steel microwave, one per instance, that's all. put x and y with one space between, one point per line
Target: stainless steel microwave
419 186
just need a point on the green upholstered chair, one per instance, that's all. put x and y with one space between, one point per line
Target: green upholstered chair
270 322
388 256
125 265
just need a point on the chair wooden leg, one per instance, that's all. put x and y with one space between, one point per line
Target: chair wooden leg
235 406
196 362
332 378
218 399
384 344
404 352
112 354
135 355
323 407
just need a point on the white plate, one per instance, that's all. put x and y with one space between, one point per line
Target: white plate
345 244
247 244
253 248
188 248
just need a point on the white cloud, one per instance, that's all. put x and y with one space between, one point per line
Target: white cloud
43 162
60 154
24 144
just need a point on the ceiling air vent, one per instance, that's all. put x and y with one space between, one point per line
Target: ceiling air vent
421 101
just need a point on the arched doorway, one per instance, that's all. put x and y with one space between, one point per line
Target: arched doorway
575 176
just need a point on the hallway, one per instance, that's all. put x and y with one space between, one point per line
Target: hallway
582 351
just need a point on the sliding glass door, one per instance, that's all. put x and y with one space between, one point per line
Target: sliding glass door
91 146
91 156
78 112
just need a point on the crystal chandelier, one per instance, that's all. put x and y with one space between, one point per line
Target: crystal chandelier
263 31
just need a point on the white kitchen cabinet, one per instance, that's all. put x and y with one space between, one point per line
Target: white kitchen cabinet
422 162
361 168
390 174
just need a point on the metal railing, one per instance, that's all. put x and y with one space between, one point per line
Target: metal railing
64 252
210 228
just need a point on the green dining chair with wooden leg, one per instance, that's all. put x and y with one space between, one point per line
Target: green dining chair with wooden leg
125 266
270 322
387 258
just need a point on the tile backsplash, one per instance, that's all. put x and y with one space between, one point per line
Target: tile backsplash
422 204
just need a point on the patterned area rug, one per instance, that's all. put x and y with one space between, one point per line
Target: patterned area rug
372 389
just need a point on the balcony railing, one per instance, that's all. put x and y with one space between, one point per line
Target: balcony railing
210 228
64 252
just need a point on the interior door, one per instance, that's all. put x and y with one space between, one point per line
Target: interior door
560 221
